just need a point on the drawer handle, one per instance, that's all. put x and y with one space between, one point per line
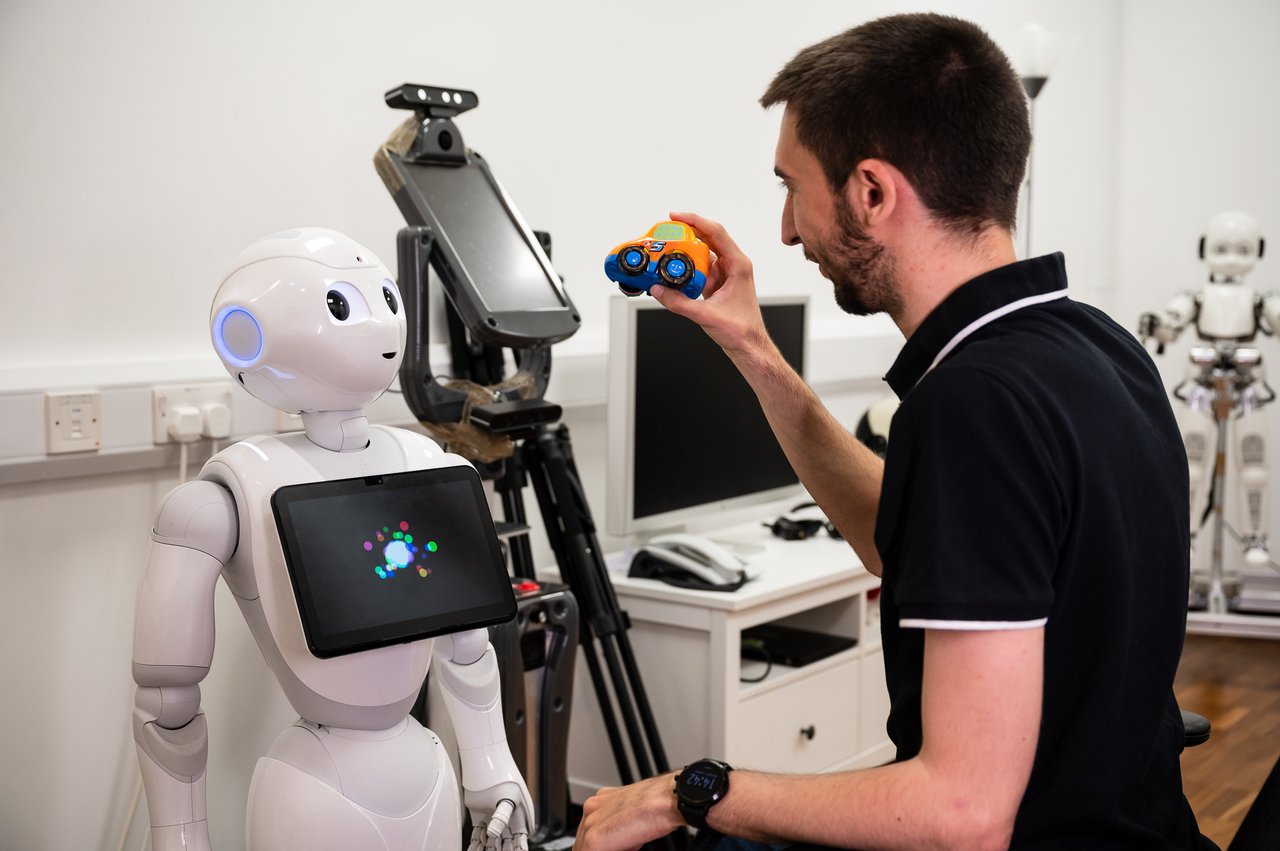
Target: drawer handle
808 732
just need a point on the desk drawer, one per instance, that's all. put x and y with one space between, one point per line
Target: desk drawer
771 729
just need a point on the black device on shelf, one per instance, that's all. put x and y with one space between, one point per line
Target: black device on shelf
794 647
501 291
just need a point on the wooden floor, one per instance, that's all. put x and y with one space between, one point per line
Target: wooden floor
1235 683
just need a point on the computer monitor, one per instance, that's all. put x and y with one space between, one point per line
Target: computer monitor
687 437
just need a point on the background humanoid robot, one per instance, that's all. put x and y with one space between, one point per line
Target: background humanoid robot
308 321
1226 313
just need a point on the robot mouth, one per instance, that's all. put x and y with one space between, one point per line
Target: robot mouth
388 355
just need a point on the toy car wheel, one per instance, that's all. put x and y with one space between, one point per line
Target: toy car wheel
633 259
630 292
675 269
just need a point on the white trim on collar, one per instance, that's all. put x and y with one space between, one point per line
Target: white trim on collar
931 623
988 318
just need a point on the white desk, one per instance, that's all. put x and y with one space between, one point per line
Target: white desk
687 644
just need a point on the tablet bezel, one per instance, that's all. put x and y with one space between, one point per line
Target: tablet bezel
499 608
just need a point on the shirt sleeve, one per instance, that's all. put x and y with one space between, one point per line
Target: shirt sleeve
981 517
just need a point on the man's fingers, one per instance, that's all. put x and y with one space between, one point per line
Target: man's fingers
715 278
674 301
712 233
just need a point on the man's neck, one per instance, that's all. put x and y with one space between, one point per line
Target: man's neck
935 263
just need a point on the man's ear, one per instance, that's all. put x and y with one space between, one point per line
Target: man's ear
872 191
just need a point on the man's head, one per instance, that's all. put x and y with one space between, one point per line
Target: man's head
931 100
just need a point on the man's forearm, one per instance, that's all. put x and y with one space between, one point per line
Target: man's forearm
901 805
841 474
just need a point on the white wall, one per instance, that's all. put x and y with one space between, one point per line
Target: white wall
144 143
1198 131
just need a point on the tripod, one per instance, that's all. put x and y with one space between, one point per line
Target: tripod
542 455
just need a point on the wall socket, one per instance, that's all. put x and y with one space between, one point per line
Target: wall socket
165 398
73 421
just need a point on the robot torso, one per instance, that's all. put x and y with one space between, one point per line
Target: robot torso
371 689
1227 312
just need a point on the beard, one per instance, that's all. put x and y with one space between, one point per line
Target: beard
863 274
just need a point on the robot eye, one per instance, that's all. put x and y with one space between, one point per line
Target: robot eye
338 305
391 299
346 303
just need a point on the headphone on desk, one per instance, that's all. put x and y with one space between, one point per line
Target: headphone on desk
799 528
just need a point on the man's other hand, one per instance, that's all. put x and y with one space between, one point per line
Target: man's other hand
626 817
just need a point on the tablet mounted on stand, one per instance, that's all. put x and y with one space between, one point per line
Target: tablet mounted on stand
501 292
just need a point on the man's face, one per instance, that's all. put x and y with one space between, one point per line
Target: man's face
861 271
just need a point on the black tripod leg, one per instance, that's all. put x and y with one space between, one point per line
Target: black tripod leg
510 488
624 644
587 596
578 552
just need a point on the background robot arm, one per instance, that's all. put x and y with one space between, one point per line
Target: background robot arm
1165 327
467 672
1271 312
195 534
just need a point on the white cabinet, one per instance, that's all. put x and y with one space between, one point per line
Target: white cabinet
824 716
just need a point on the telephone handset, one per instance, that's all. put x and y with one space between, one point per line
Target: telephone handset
690 561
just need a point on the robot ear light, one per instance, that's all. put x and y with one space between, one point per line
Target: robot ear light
1202 248
237 336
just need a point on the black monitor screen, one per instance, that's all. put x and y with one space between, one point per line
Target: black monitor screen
389 559
489 246
700 436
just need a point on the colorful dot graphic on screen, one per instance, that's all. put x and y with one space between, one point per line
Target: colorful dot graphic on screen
398 550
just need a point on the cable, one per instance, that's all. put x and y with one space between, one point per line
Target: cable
182 463
753 648
133 811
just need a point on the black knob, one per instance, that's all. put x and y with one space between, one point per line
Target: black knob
808 732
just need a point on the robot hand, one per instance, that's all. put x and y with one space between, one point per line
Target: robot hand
1148 323
1163 328
502 816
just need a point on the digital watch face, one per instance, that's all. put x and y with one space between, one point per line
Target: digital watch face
701 786
390 559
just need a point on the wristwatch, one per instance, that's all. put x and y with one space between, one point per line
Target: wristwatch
699 786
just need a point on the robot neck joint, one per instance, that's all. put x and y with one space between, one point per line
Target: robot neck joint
338 431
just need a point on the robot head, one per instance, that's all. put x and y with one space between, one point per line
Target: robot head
1231 245
308 320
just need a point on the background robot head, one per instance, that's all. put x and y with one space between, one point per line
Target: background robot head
1231 245
309 320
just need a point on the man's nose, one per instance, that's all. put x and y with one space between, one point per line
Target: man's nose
789 234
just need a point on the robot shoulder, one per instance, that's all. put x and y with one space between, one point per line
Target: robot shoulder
199 515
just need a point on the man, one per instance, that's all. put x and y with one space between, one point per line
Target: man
1029 520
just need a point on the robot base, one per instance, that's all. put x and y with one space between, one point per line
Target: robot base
327 789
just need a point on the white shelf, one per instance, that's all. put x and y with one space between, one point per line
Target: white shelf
824 716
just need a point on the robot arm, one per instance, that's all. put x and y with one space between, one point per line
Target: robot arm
493 789
1270 309
195 534
1166 327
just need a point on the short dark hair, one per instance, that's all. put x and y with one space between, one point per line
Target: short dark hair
932 95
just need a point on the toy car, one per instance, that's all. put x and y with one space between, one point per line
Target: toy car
670 254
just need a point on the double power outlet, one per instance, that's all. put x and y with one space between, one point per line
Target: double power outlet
185 412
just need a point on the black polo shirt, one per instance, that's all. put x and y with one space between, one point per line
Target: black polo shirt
1035 476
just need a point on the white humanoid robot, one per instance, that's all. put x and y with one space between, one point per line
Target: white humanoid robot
310 322
1224 377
